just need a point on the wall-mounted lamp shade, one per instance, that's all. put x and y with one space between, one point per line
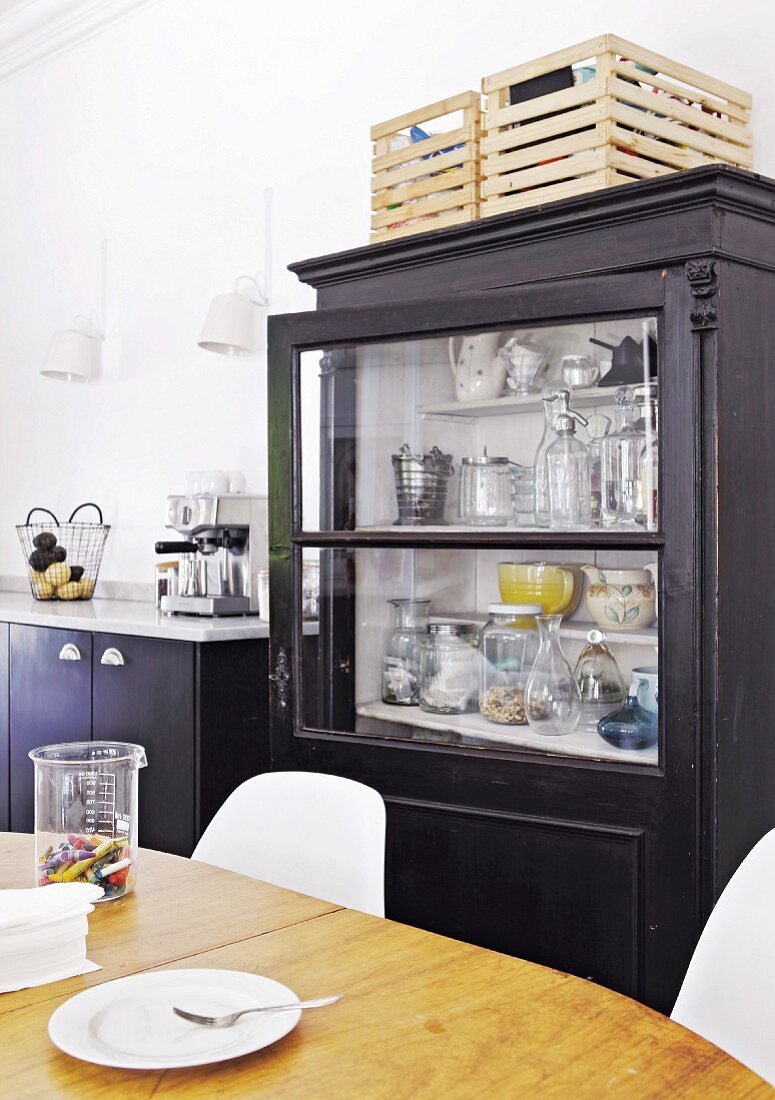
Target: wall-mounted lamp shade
72 356
230 325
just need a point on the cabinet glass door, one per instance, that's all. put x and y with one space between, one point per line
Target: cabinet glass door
481 513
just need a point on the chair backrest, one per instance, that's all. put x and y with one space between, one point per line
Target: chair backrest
728 994
317 834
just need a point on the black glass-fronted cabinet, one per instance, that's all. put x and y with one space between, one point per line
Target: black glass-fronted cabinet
507 447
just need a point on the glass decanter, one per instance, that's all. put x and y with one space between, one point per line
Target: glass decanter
401 652
621 501
598 426
556 399
567 465
552 699
600 682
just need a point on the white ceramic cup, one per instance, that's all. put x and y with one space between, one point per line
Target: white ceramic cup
646 680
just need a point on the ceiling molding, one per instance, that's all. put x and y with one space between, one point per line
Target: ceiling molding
32 31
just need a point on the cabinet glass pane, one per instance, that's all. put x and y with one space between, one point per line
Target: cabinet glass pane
403 650
445 432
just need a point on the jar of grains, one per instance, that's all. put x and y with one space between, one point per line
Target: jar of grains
509 644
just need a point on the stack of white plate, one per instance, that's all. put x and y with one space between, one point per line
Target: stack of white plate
43 933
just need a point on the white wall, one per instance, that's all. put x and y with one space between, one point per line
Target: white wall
161 134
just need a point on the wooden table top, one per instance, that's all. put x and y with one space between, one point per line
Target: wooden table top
422 1016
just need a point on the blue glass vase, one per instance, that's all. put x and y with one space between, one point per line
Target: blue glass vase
630 727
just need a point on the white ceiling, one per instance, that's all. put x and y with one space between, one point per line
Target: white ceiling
33 30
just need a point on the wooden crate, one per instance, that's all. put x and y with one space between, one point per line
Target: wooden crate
637 116
430 183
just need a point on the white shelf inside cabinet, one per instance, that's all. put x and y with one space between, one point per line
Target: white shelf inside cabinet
575 629
585 745
522 403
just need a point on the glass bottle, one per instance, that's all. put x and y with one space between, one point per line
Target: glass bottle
509 644
631 727
567 462
556 399
598 426
552 699
600 683
647 397
449 668
401 652
621 502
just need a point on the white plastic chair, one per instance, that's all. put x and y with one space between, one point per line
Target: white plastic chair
728 994
317 834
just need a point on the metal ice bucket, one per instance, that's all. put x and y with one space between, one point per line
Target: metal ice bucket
421 486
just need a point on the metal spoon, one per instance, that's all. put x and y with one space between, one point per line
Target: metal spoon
231 1017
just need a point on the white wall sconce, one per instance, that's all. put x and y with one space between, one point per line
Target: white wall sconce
74 355
230 325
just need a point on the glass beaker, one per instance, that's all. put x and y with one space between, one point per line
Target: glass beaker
401 652
86 814
598 426
552 700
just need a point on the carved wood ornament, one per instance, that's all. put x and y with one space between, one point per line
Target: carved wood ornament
703 282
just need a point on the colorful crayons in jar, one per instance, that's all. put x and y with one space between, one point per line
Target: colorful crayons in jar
102 861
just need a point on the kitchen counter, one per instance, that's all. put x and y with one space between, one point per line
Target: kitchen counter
133 617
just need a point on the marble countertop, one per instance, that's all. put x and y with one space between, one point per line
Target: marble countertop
139 618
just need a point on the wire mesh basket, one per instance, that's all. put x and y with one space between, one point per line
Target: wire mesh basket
63 559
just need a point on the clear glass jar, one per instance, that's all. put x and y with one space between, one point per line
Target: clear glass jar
486 491
401 652
567 464
310 589
600 682
509 644
86 814
449 668
553 703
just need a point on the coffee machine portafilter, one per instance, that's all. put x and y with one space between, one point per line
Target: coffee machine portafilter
225 546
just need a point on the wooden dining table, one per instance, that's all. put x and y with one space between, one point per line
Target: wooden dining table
421 1015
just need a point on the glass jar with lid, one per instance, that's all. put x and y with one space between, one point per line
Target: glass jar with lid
401 651
509 644
486 491
449 668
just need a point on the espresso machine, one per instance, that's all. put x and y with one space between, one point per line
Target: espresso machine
225 546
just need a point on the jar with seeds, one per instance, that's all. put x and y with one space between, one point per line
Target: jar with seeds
509 643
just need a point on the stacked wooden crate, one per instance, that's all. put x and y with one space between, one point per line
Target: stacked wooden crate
630 114
428 183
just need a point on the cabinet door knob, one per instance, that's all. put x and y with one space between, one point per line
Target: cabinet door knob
112 656
70 652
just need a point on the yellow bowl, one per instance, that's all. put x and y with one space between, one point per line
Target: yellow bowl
557 588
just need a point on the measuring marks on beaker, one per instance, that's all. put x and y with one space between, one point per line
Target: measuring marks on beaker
99 789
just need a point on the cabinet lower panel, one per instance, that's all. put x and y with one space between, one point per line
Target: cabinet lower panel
564 894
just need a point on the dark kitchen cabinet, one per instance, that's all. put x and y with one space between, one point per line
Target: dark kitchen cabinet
50 671
5 774
199 710
143 692
602 863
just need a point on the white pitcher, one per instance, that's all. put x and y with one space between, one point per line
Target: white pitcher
478 370
621 599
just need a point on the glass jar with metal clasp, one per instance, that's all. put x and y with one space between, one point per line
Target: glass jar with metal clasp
492 490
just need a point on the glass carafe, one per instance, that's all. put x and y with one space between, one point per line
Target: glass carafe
552 700
86 814
598 426
401 651
600 683
649 457
622 496
567 464
556 399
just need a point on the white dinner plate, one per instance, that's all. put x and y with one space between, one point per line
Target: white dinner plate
129 1023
